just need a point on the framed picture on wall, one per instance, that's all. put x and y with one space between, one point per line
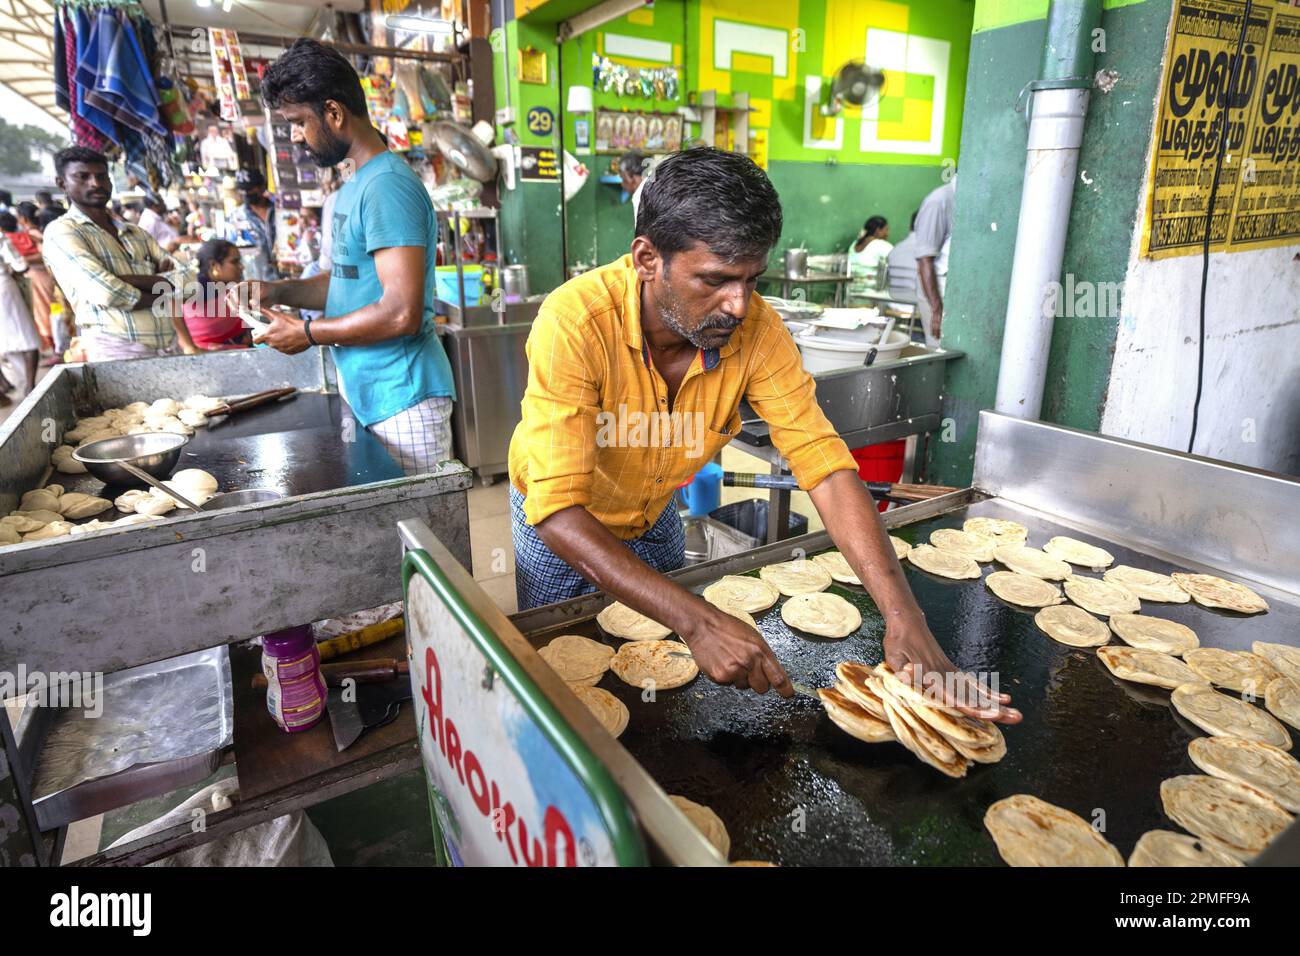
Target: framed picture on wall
672 133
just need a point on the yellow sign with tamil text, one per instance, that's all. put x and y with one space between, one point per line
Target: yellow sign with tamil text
1257 203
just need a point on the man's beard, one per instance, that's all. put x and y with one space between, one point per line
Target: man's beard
670 315
332 152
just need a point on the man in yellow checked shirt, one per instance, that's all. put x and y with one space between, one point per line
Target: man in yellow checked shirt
636 373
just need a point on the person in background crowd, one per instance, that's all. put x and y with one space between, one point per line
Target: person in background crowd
330 180
212 323
20 345
634 168
45 200
6 201
867 256
153 220
933 237
62 323
901 267
27 240
253 223
112 272
308 251
378 296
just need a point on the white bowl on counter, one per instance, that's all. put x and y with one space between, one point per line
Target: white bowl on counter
826 352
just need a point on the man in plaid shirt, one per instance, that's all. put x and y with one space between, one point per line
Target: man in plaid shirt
116 276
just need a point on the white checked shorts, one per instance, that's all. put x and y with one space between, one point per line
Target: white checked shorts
419 439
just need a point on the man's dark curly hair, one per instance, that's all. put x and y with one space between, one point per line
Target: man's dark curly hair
309 73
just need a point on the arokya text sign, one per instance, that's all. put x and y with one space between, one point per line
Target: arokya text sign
1258 200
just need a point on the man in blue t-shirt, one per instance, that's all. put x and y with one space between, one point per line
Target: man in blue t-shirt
378 296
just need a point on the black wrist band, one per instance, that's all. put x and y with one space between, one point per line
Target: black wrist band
306 328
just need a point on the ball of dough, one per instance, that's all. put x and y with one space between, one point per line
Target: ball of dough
139 408
55 529
90 526
42 499
194 494
195 478
22 523
42 515
155 503
64 462
77 505
164 406
127 500
203 403
192 417
9 534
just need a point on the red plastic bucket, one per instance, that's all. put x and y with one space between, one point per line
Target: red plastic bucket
883 462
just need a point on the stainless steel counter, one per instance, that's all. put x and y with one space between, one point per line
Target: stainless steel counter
491 372
114 599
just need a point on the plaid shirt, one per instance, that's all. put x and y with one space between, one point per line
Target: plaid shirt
86 262
596 429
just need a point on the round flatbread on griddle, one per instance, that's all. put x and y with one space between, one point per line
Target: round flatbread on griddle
838 566
742 592
852 718
1148 585
1099 597
977 546
1233 670
1273 772
1284 658
946 564
796 577
1282 698
901 547
1074 551
577 659
1167 848
1229 816
1033 832
1031 561
1072 626
1212 591
706 821
619 620
1148 667
1224 716
1004 531
858 683
608 709
1023 590
662 665
827 615
1154 633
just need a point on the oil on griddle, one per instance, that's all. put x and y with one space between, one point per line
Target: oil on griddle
794 789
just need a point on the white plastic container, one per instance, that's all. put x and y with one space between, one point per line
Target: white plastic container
826 352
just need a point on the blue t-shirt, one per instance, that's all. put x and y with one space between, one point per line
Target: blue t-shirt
384 205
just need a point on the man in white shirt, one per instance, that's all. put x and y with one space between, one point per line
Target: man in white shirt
153 221
933 231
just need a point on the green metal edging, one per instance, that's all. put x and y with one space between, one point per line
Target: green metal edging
629 848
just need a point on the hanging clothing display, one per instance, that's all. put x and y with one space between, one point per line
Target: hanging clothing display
107 70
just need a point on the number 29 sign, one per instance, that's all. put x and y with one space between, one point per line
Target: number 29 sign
541 121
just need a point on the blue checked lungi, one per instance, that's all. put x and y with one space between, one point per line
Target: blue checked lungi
543 578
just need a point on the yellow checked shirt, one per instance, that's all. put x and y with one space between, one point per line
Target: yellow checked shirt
597 431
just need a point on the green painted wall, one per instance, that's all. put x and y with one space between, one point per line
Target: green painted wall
826 193
1106 204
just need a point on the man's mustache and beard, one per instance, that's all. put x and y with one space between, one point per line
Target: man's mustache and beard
330 151
707 334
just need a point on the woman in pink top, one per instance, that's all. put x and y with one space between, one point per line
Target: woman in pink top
212 324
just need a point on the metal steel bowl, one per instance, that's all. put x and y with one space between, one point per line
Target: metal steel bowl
155 453
236 499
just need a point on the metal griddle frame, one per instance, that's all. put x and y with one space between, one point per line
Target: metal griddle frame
1202 514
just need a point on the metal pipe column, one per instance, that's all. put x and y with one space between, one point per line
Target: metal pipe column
1058 104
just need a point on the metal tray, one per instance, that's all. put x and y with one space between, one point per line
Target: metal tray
162 726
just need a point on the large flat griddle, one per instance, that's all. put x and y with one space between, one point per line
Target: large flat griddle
794 789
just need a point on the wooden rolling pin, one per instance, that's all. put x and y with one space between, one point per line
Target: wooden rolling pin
252 401
879 489
363 672
355 640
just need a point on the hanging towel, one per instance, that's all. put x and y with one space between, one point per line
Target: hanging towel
121 84
85 64
60 66
83 132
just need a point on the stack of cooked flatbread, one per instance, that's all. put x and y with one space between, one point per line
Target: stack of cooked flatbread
582 662
875 705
